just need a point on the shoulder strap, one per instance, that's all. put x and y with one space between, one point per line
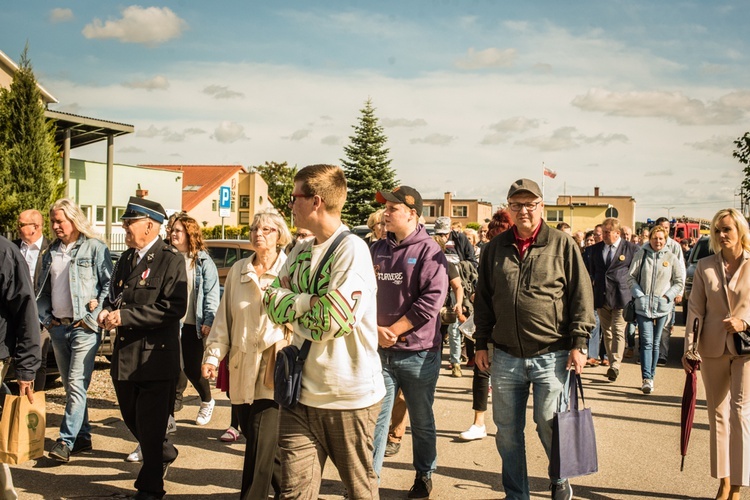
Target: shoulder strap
331 249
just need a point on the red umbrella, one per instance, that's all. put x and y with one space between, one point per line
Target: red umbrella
689 395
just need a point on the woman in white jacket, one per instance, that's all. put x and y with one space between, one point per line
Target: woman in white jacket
656 278
243 331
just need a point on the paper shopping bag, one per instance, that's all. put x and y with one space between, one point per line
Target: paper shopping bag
22 429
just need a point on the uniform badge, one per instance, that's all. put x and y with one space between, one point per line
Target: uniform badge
144 275
665 264
622 257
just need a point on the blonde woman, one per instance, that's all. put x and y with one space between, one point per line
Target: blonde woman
720 302
243 332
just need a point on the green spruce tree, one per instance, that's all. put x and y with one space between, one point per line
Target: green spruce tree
30 170
280 180
742 153
367 167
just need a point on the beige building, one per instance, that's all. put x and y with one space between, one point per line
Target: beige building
584 212
200 192
459 210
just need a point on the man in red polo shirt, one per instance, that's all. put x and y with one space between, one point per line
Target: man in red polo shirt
534 302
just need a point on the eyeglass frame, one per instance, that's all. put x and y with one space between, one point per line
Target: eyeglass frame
293 197
530 206
265 231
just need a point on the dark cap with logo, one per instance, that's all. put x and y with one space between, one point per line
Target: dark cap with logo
138 208
524 185
402 194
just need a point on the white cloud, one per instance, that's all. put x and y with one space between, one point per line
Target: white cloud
222 92
515 124
722 145
228 132
487 58
566 138
148 26
674 106
298 135
667 172
403 122
130 149
331 140
434 139
156 83
151 131
60 15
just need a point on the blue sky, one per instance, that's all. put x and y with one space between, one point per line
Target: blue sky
639 98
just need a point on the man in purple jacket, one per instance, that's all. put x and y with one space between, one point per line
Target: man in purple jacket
412 276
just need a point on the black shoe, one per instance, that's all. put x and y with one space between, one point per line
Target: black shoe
612 374
165 465
392 448
177 403
561 491
81 445
60 452
422 487
661 362
142 495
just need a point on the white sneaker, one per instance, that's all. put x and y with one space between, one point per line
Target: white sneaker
136 456
171 425
475 432
648 386
205 412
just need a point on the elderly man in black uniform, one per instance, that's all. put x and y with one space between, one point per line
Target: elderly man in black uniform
148 297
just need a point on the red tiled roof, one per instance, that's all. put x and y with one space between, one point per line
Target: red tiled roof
208 177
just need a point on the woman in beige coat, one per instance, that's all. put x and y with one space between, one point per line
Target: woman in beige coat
720 301
242 331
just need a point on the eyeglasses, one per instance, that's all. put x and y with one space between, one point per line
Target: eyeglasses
265 230
130 222
302 235
530 206
294 197
22 225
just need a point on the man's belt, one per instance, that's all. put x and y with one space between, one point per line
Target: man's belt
63 321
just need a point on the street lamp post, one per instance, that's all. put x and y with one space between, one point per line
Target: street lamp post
668 209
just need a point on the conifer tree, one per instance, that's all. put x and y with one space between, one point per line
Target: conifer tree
30 171
367 167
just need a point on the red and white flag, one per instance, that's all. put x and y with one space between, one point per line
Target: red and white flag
550 173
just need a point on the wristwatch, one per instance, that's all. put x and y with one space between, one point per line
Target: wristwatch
584 351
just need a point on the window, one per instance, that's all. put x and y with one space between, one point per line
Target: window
232 206
460 211
554 215
192 187
117 213
611 212
100 214
218 254
244 217
428 211
86 209
245 201
214 205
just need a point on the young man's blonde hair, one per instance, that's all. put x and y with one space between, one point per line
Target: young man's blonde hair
326 181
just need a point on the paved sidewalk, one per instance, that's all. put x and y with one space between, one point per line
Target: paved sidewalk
638 443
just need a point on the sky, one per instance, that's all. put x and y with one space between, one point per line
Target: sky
638 98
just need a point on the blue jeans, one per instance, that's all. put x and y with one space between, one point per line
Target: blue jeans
511 380
75 351
650 331
416 374
595 340
454 343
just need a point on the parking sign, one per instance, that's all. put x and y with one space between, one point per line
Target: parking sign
225 201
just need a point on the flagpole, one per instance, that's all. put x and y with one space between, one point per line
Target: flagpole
543 176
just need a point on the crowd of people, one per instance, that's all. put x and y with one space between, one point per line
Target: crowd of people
519 302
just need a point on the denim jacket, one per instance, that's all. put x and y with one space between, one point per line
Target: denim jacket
90 273
206 291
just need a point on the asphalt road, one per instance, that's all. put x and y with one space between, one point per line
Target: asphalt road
638 443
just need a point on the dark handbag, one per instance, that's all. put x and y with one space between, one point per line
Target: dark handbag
742 342
628 313
573 438
287 373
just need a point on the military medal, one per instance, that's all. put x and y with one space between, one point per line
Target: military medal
144 275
